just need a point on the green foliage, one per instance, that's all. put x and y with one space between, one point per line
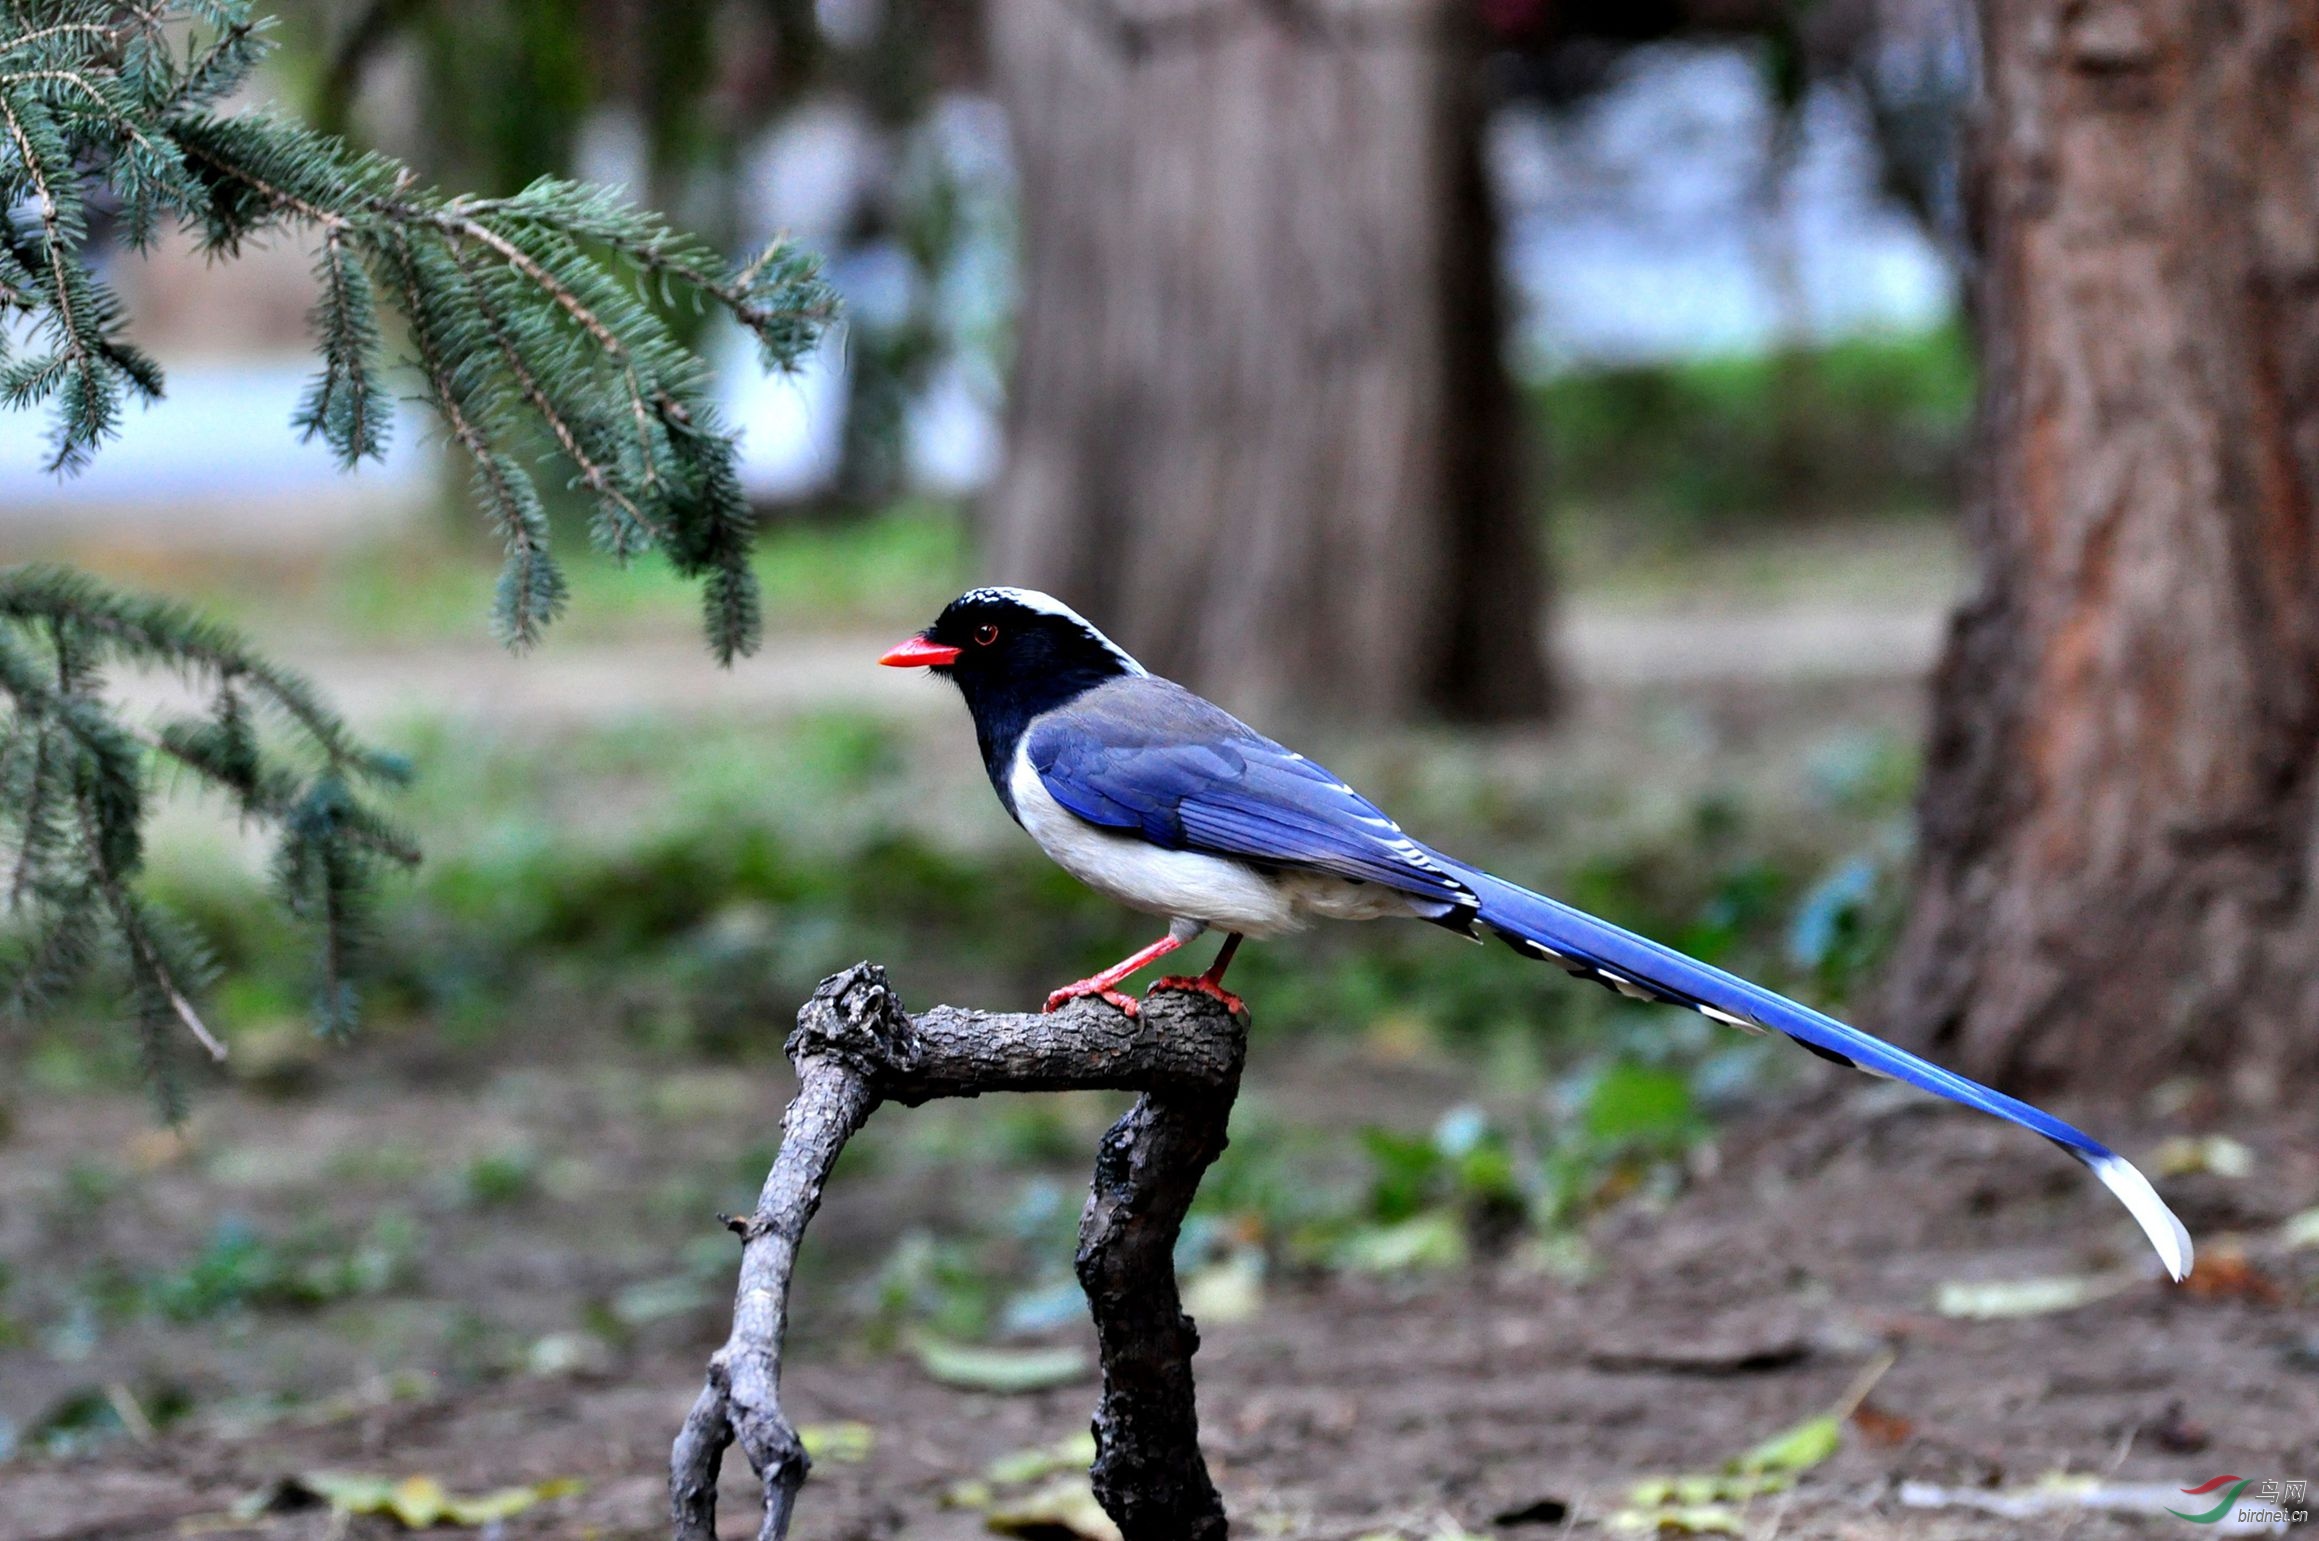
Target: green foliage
1867 425
500 1179
97 1415
76 784
536 324
1464 1160
240 1269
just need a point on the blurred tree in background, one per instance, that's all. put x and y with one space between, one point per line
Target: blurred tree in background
2119 824
1260 419
1259 416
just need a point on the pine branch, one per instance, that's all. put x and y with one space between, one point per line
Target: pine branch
538 327
79 785
491 292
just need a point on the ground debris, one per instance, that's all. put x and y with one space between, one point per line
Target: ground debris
415 1502
2002 1298
973 1367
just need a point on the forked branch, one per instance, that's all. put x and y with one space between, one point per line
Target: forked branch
854 1048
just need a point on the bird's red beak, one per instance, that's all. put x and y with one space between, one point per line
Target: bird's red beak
917 653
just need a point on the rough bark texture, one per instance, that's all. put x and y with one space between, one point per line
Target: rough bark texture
1146 1172
2118 823
1259 421
855 1047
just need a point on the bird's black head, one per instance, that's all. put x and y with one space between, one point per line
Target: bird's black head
1013 653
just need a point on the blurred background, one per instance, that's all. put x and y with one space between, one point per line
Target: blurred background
1555 414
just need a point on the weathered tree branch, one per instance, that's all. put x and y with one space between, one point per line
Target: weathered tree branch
854 1048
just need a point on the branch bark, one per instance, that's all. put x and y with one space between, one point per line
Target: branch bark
854 1048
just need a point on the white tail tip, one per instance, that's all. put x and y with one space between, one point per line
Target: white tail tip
2122 1178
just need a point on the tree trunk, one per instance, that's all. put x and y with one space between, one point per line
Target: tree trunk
2116 880
1260 427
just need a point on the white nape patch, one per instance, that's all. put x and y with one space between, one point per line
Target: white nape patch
1215 890
1048 604
2166 1233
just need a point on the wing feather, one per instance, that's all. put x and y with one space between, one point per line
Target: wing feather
1148 756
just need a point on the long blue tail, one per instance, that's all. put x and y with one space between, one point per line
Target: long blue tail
1643 970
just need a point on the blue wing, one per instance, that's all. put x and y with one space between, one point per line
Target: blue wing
1147 756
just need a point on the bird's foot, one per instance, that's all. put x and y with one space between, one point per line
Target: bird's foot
1201 984
1058 999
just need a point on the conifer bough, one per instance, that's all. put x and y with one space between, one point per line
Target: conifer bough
534 326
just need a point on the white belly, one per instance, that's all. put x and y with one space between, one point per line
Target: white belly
1213 890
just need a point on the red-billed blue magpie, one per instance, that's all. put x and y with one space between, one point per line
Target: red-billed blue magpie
1170 805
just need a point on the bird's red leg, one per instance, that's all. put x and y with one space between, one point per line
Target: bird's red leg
1100 984
1212 982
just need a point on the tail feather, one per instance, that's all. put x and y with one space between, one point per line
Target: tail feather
1643 970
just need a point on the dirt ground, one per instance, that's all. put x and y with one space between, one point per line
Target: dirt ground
546 1281
1507 1399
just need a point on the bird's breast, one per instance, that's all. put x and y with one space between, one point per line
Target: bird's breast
1226 894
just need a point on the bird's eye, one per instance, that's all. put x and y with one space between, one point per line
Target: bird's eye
985 634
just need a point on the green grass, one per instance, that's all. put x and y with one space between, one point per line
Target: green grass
431 583
692 890
1675 457
1869 426
240 1269
902 561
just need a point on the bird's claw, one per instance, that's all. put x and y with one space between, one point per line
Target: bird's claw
1201 984
1058 999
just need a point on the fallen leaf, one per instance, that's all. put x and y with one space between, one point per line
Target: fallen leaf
973 1493
1055 1307
1064 1507
1799 1449
1694 1488
1073 1453
846 1443
1434 1239
1880 1428
419 1502
656 1300
1228 1291
2001 1299
2300 1231
2225 1272
2218 1154
568 1353
1700 1502
1002 1370
1689 1520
